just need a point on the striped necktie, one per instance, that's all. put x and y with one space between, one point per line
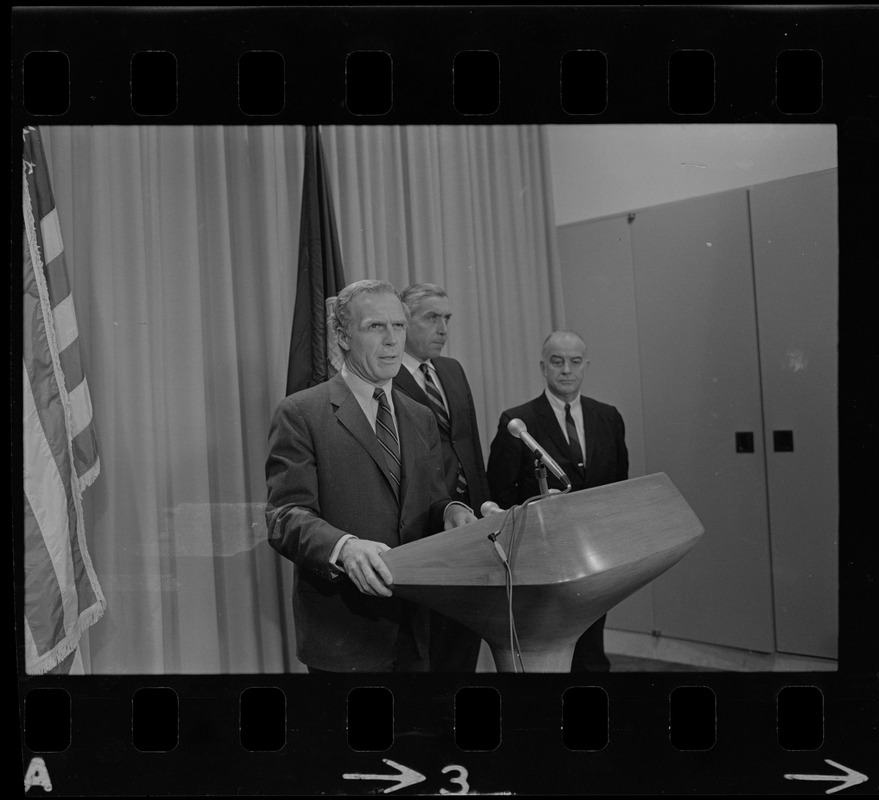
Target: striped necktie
386 432
573 438
442 416
436 399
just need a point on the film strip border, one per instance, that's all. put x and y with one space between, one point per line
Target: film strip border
554 735
407 60
474 83
486 64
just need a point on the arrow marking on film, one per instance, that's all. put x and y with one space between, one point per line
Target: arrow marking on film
851 777
404 777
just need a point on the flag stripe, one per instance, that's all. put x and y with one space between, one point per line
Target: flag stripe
50 228
65 323
56 278
80 409
41 196
85 455
64 337
45 487
31 650
45 610
42 386
49 488
62 593
71 366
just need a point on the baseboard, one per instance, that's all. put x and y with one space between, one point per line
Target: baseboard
679 651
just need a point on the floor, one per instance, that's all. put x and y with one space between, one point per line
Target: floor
620 663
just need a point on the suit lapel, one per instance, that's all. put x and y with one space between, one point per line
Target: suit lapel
411 442
454 396
550 431
407 384
351 417
589 431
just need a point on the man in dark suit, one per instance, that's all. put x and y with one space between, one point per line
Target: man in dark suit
439 383
587 440
354 469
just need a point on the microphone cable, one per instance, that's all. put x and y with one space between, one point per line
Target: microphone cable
508 579
516 515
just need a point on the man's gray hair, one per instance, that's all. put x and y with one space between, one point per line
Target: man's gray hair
417 293
342 306
559 333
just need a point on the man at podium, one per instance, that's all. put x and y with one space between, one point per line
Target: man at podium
584 436
355 468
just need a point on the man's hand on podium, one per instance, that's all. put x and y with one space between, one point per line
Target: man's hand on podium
364 566
457 514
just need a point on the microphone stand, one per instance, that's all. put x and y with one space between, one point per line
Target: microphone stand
540 473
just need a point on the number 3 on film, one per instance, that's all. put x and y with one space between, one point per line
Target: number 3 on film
460 779
406 776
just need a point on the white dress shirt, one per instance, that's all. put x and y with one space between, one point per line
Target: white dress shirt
558 406
364 393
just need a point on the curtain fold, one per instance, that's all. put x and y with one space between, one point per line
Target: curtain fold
185 242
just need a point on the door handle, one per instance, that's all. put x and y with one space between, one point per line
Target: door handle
744 442
783 441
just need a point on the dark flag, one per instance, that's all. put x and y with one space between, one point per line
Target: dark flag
320 274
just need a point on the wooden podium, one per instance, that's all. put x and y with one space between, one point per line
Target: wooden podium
574 556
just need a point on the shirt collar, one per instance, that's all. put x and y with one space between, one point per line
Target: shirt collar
412 364
558 404
362 389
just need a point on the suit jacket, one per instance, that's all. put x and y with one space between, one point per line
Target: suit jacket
326 476
461 444
511 464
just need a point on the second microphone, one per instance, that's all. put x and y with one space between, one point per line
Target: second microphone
518 429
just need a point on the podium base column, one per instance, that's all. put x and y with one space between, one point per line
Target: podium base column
556 658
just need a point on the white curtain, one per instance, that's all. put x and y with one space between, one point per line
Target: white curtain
182 246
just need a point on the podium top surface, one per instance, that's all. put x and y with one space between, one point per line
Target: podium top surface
558 539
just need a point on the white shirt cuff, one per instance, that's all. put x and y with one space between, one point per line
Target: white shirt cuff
455 503
334 556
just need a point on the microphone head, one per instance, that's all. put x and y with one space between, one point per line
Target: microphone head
516 427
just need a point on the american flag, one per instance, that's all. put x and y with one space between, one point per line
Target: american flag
62 596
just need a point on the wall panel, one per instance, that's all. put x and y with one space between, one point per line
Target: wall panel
794 224
711 317
599 291
700 382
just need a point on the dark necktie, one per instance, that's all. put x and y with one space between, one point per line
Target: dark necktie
442 417
573 438
386 432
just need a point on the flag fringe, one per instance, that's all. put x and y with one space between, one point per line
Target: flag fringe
48 661
94 612
88 477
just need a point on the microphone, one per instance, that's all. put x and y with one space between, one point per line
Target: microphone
518 429
490 507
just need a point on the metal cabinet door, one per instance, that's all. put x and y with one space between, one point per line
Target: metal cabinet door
697 339
794 225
